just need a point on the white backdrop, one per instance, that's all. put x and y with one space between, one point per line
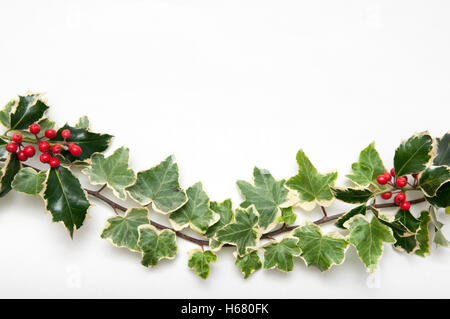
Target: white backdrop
223 85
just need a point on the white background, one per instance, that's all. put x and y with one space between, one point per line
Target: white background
223 85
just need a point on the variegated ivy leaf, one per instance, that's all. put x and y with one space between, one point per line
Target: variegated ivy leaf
244 232
423 235
83 122
154 246
248 263
442 197
4 113
268 196
281 254
196 212
10 169
288 216
225 211
439 238
199 261
413 155
368 167
368 238
312 187
123 231
322 251
29 109
28 181
443 151
432 178
352 195
160 186
360 210
112 171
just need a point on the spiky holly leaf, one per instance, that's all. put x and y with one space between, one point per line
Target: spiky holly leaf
225 211
28 181
432 178
3 151
443 151
10 169
30 109
112 171
360 210
248 263
4 113
123 231
368 167
268 196
404 228
368 239
160 186
322 251
83 122
312 187
154 246
199 261
413 155
196 212
352 195
44 123
288 216
281 254
408 220
439 238
423 234
65 198
244 232
442 197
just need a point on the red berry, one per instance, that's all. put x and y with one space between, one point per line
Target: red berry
75 150
388 176
45 158
17 137
405 205
386 195
382 180
29 151
50 133
399 198
22 156
35 128
56 148
392 172
401 182
44 147
54 162
11 147
414 175
65 134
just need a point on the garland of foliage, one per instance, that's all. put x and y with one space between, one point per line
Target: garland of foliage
270 206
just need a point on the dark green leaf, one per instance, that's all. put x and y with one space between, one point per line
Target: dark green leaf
360 210
442 197
408 220
413 155
352 195
29 110
433 178
443 151
9 171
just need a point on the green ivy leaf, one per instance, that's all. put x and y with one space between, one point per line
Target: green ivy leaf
65 198
443 151
160 186
322 251
28 181
225 211
432 178
442 197
423 234
360 210
4 113
413 155
156 246
281 254
199 261
439 238
248 263
288 216
368 167
123 231
196 212
83 122
10 169
352 195
28 110
312 187
112 171
268 196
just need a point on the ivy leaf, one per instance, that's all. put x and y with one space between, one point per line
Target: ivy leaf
28 181
156 246
312 187
352 195
159 185
244 232
112 171
360 210
443 151
196 212
4 113
8 172
225 211
423 234
268 196
248 263
439 238
442 197
28 110
199 261
413 155
368 238
432 178
83 122
322 251
368 167
288 216
280 254
65 198
123 231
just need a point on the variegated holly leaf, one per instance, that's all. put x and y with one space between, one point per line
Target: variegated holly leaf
65 199
244 232
281 254
28 181
408 220
112 171
405 228
3 151
352 195
359 210
423 235
83 122
225 211
368 167
123 231
248 263
442 197
160 186
196 212
288 216
443 151
4 113
199 261
368 239
432 178
439 238
312 187
268 196
29 109
322 251
413 155
10 169
154 246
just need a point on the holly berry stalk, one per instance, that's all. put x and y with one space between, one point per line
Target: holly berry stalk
398 184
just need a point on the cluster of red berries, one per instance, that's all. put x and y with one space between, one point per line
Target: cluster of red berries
48 151
402 181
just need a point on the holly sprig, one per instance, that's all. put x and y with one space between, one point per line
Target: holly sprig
269 209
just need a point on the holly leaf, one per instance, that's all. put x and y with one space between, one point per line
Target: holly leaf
281 254
225 212
360 210
28 110
312 187
443 151
368 167
28 181
199 261
160 186
322 251
408 220
3 151
288 216
432 178
83 122
413 155
268 196
244 232
368 239
112 171
423 234
352 195
4 113
10 169
156 246
248 263
442 197
65 199
123 231
196 212
405 235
